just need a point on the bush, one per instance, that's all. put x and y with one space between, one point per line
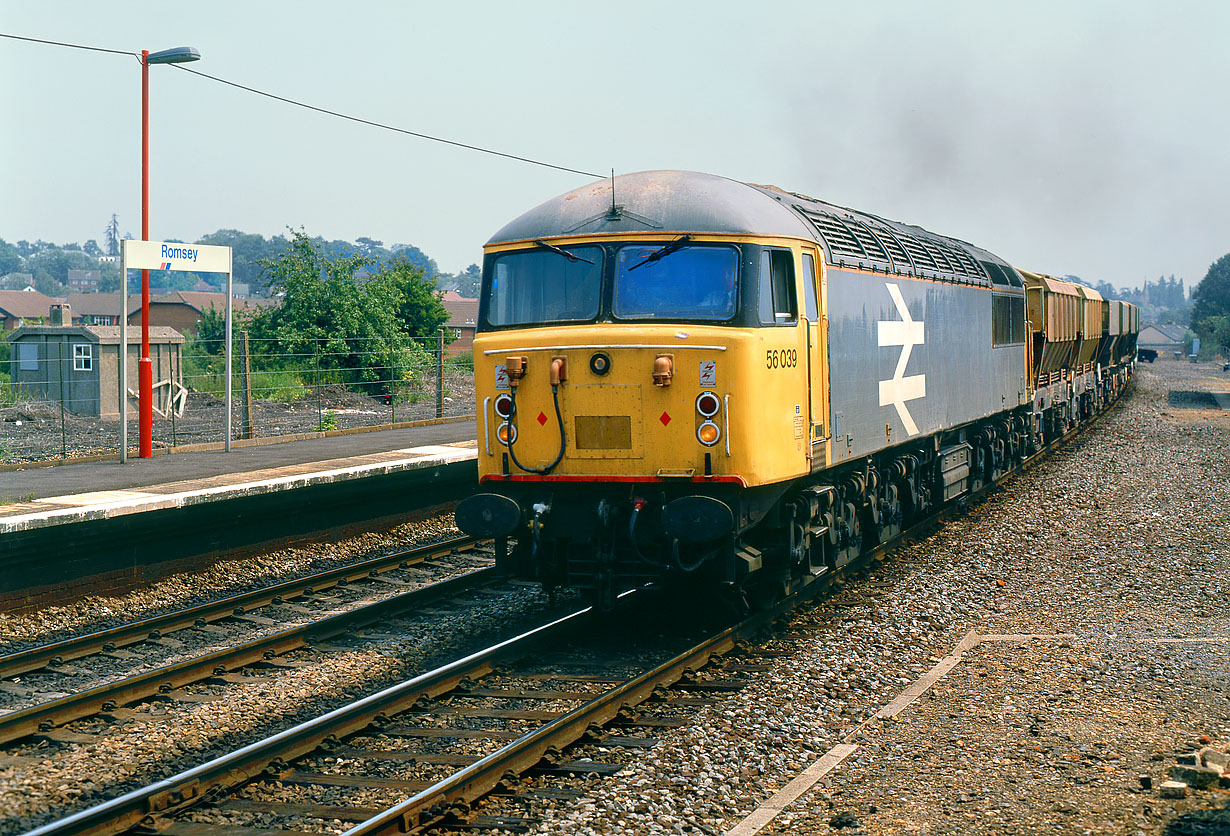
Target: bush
463 361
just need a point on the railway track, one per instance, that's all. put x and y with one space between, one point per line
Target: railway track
374 569
494 713
164 680
420 754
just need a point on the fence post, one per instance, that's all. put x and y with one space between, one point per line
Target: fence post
245 366
440 374
60 365
320 413
392 386
171 390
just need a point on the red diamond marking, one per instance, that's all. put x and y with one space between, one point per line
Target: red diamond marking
664 418
542 418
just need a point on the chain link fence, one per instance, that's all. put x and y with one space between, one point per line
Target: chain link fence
48 413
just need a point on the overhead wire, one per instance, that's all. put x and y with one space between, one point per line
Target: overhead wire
393 128
136 55
326 111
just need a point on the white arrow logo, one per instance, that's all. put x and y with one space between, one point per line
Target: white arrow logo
907 333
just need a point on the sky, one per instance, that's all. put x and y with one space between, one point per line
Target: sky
1081 137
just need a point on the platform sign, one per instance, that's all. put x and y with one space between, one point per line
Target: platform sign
170 255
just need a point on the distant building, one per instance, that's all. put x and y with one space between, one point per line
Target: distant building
1164 339
462 321
84 281
17 307
17 281
79 366
97 308
183 309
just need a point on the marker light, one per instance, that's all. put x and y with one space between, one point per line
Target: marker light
503 406
708 404
506 433
708 433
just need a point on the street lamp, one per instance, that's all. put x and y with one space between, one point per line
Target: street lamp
145 368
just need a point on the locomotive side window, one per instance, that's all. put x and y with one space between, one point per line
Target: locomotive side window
811 310
690 282
1007 320
777 300
534 287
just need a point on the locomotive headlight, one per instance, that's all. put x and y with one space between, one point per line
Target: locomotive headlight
708 433
506 433
707 404
503 406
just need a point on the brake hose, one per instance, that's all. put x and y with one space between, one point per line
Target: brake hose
559 419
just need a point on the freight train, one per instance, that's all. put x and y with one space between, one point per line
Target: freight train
685 378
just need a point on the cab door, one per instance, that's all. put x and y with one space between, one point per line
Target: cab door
817 356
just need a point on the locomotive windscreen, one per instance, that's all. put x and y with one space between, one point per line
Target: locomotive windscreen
548 285
692 282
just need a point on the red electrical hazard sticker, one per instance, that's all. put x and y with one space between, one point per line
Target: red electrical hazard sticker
708 372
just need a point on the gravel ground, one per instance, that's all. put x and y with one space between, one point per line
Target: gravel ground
1122 541
41 781
221 580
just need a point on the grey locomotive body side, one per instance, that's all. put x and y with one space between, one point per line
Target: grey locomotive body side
909 358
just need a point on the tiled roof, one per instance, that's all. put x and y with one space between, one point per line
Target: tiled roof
24 304
461 312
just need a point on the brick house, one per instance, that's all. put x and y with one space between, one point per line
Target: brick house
462 321
18 307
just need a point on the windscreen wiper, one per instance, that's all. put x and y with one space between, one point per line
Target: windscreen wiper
664 251
563 252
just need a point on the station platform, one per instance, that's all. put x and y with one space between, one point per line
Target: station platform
66 493
83 520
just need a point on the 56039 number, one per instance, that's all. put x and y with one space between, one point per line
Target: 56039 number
781 358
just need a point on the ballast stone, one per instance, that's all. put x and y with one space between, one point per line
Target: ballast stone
1199 777
1172 789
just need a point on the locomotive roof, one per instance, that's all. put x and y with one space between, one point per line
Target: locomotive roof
676 202
672 202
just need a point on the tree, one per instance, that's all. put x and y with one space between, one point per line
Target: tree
10 258
364 330
211 329
1215 335
469 280
91 248
1211 298
111 235
248 252
413 296
50 268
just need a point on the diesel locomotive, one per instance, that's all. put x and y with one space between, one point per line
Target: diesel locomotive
684 378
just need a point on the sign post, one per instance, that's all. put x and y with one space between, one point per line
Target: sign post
164 255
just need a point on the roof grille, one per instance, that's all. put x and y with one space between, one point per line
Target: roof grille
864 240
837 236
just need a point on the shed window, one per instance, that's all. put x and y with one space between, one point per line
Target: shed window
27 357
83 357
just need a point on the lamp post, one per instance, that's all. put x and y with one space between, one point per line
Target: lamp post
145 368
